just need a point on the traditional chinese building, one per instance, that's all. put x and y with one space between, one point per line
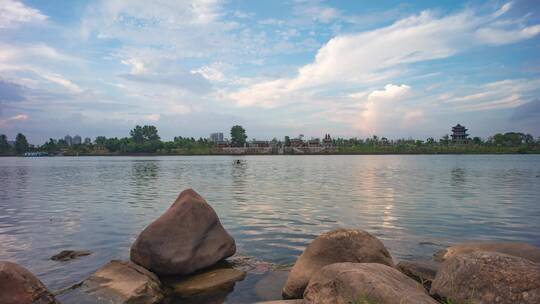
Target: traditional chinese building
459 133
327 141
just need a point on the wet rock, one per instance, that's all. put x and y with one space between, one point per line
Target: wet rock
204 282
364 283
20 286
422 272
488 277
249 264
117 282
66 255
522 250
342 245
186 238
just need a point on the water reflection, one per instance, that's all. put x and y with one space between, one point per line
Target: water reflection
273 206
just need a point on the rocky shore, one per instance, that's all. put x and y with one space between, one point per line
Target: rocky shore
187 256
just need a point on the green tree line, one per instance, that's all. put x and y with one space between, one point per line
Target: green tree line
145 139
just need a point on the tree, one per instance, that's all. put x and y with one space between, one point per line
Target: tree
238 136
430 141
101 140
445 140
137 134
4 145
21 144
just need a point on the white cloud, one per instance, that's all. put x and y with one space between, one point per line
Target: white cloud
153 117
390 92
18 117
14 12
377 55
503 94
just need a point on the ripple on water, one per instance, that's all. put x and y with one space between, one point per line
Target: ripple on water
273 206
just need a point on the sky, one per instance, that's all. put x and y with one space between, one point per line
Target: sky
397 69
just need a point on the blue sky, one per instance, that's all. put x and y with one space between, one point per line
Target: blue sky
348 68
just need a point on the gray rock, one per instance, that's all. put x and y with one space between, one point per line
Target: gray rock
342 245
186 238
20 286
117 282
364 283
488 277
522 250
66 255
421 271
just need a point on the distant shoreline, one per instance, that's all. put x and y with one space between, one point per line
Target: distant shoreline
291 154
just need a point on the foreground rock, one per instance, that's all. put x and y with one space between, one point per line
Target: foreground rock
117 282
282 302
220 280
364 283
342 245
488 277
522 250
20 286
186 238
422 272
66 255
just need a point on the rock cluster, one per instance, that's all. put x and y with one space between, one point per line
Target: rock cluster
180 256
342 245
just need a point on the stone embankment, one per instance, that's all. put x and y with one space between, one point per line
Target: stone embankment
186 256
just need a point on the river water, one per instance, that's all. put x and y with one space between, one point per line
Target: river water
272 205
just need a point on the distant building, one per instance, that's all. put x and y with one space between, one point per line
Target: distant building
216 137
297 142
327 141
314 142
68 139
258 144
223 144
87 141
459 133
77 140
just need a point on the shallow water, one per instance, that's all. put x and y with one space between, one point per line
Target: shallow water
272 205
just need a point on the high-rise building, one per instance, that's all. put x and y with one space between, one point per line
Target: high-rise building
77 140
216 137
68 139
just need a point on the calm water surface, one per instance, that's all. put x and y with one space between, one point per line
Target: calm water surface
272 205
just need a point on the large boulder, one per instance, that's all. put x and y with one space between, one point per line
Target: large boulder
341 245
20 286
423 272
522 250
117 282
488 277
343 283
186 238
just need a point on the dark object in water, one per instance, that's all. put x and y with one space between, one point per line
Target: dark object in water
66 255
238 162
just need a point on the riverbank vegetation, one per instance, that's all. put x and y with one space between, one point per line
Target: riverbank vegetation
145 140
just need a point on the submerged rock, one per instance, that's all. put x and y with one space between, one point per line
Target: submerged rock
20 286
364 283
117 282
66 255
270 286
522 250
488 277
206 282
186 238
342 245
422 272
